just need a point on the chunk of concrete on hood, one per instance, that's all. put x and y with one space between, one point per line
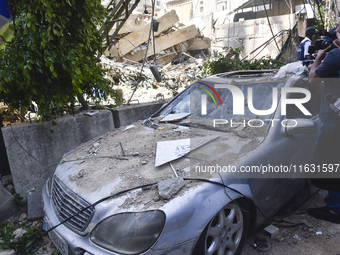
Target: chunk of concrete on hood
169 187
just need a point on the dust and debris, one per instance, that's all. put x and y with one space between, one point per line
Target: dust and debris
280 238
299 225
95 147
101 168
124 158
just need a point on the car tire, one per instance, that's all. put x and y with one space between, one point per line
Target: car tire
226 232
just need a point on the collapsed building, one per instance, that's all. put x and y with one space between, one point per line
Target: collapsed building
164 35
270 28
170 40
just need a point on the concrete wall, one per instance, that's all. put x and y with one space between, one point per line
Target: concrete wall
183 10
253 33
35 149
204 23
125 115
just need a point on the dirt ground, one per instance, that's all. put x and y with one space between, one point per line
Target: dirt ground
299 233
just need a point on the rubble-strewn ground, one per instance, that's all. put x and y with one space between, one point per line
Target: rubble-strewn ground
299 234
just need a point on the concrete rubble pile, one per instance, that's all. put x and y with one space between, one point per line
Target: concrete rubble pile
179 50
171 39
175 78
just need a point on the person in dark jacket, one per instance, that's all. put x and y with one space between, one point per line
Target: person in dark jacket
327 152
303 53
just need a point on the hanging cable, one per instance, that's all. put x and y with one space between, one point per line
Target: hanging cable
290 38
154 67
304 6
143 64
313 8
151 32
265 44
154 28
320 13
270 26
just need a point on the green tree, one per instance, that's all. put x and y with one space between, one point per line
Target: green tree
231 60
54 55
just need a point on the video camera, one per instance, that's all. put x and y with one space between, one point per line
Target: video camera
321 44
307 62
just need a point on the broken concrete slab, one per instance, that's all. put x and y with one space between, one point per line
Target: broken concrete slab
166 41
134 39
272 231
135 22
169 187
199 43
166 59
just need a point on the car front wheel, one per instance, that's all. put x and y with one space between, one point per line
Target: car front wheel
226 232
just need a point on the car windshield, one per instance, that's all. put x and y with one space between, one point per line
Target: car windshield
219 102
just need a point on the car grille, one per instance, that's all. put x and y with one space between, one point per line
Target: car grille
67 204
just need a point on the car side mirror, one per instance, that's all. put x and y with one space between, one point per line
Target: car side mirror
300 126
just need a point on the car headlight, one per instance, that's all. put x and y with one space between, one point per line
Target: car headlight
129 233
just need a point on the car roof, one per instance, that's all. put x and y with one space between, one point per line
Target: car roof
242 75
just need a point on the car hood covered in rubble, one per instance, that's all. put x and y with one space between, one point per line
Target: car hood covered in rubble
126 158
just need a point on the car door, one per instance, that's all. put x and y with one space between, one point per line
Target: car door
292 151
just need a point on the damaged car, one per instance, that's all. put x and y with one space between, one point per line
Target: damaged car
211 165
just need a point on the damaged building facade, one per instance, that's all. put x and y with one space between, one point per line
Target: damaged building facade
261 27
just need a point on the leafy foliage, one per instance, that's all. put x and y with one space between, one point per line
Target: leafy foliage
231 61
319 11
53 56
32 233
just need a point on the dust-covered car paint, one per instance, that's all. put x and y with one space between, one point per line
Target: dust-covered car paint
108 194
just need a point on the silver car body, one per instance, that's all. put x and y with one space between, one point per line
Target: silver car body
85 176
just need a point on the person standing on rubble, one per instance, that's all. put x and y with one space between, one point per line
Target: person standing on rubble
327 151
302 51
